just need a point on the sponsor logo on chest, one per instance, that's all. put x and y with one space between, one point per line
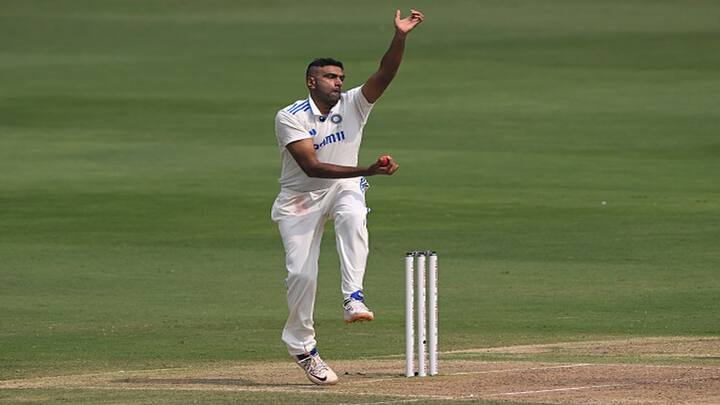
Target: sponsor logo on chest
330 139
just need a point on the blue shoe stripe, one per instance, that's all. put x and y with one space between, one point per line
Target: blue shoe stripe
301 357
358 295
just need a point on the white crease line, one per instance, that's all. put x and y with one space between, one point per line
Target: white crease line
306 389
309 389
48 379
398 401
582 344
561 389
672 380
401 397
372 381
509 370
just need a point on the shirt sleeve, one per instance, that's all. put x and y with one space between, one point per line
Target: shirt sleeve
288 130
358 100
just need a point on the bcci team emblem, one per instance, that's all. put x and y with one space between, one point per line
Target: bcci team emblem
336 119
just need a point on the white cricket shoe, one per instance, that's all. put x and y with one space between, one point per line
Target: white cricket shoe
355 309
316 369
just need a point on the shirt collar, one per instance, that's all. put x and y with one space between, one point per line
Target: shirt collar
316 111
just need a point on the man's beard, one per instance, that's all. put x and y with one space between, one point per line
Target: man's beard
332 98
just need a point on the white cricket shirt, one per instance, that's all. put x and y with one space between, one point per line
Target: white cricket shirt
336 136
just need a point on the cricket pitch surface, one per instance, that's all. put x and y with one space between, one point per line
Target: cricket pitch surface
654 371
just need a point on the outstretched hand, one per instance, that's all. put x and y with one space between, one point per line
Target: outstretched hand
407 24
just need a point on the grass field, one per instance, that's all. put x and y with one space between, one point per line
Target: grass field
560 155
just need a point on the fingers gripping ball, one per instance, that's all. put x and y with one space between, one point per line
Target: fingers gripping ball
384 160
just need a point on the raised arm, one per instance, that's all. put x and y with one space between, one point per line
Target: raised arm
304 154
380 80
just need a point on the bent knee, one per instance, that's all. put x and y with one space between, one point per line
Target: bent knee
351 216
299 278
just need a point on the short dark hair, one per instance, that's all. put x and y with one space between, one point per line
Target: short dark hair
320 62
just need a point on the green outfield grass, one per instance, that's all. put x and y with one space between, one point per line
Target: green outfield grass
561 156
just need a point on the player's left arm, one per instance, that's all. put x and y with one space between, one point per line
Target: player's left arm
380 80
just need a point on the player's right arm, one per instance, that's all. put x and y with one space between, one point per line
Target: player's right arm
303 151
375 86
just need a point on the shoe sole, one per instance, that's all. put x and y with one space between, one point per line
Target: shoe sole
315 380
360 318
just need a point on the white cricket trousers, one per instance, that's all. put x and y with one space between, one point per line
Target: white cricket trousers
301 219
